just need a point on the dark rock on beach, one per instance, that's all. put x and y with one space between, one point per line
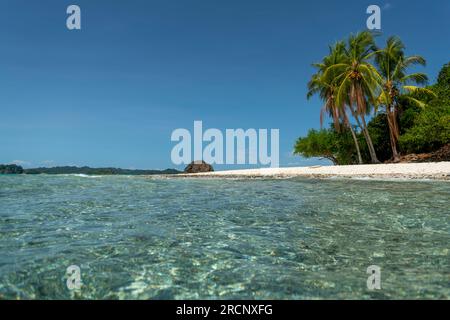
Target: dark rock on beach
198 167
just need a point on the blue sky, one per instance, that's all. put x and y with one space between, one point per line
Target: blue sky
112 93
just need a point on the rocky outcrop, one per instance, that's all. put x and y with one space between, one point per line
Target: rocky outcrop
441 155
198 167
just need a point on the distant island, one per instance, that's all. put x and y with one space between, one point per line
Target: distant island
15 169
10 169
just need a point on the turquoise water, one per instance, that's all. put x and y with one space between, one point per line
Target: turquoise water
155 238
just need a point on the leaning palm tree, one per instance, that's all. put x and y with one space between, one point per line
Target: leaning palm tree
393 64
326 88
358 81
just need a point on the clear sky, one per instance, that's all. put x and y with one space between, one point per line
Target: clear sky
112 93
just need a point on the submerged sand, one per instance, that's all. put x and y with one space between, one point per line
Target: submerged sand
439 170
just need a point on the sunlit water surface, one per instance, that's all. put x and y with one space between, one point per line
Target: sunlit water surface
156 238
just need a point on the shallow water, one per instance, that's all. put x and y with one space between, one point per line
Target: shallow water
154 238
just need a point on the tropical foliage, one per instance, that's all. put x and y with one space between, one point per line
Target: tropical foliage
337 147
358 81
430 129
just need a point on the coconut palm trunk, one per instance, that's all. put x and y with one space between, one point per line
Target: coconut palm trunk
358 96
373 154
391 116
355 138
361 121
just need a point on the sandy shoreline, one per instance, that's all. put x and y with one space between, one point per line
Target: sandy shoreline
437 171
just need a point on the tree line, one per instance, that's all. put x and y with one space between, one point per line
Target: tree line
14 169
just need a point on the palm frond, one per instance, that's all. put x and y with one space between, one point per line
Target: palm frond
415 101
419 78
419 90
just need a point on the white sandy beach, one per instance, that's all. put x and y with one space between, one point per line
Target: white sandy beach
439 170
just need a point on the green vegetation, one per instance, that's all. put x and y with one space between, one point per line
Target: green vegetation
337 147
357 80
430 129
396 84
13 169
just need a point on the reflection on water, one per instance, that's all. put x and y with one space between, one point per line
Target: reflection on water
151 238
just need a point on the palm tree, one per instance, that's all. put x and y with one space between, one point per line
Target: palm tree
392 64
357 81
326 87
